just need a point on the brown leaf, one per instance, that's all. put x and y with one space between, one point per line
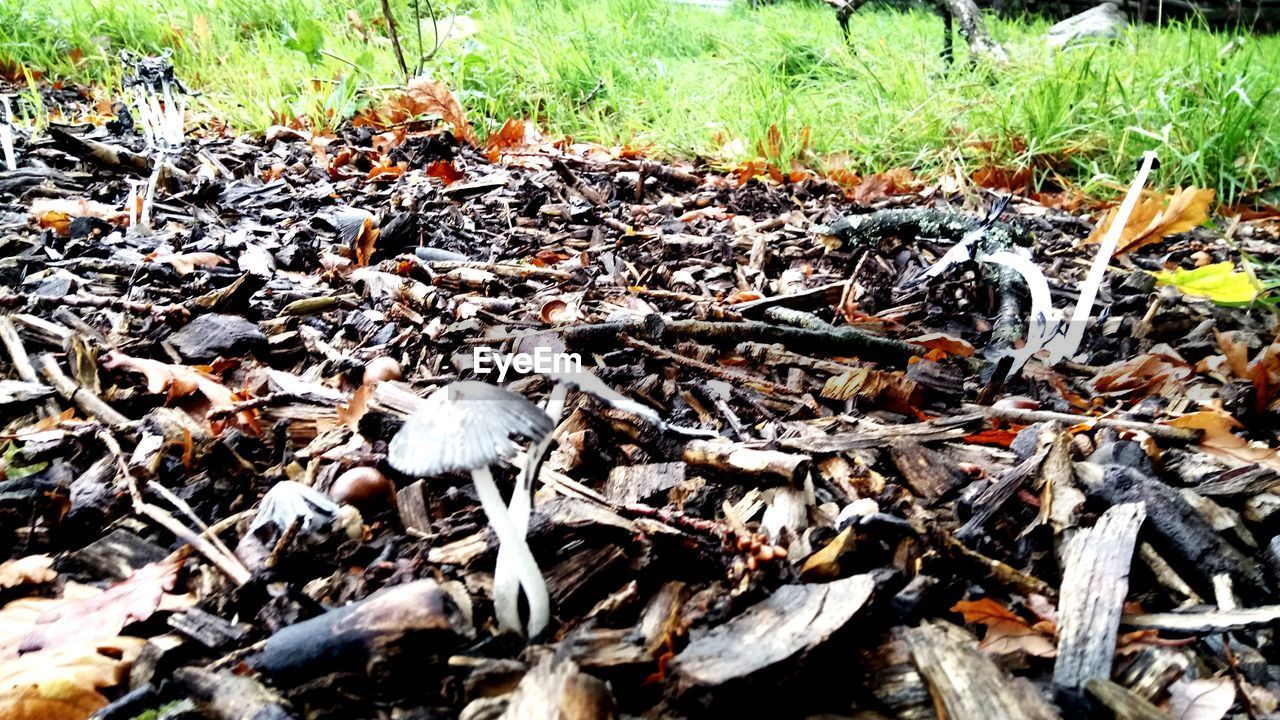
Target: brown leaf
824 565
29 570
350 412
508 137
63 684
1007 631
444 171
57 213
1152 220
432 97
1220 440
881 185
102 616
365 241
1148 374
946 343
186 263
893 388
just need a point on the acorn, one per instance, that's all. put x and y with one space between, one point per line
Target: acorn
362 486
380 369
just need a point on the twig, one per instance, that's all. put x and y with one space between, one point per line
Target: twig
523 272
230 565
713 370
21 361
395 39
1164 432
13 300
84 399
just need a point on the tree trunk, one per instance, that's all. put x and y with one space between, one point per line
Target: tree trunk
974 30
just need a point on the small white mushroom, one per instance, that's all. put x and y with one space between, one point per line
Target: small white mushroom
468 426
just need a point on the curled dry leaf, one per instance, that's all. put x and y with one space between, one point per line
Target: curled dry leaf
181 380
422 97
444 171
948 344
29 570
1153 220
1220 440
866 384
186 263
1007 631
1149 374
57 213
1204 699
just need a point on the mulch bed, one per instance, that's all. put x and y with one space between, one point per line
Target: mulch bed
846 508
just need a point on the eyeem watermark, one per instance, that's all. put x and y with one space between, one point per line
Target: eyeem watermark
542 360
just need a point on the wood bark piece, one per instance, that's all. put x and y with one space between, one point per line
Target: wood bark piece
223 695
412 506
555 689
794 620
628 484
1126 704
1206 622
409 620
930 474
1182 535
739 459
964 683
871 435
1094 585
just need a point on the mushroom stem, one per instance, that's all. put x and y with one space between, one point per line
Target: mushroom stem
526 568
506 594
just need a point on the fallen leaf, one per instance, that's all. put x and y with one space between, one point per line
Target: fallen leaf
1204 699
508 137
186 263
57 213
1219 282
63 684
891 387
423 96
1147 374
364 242
1007 631
948 344
1152 220
29 570
882 185
824 565
98 617
444 171
1220 440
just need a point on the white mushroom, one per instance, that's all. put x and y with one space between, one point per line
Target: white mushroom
468 426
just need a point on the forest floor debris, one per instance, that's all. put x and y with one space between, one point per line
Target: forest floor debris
796 477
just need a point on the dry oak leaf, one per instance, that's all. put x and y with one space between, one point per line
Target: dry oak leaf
1220 440
63 684
1007 631
423 97
29 570
948 344
1152 220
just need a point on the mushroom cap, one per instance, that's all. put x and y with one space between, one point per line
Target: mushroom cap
464 426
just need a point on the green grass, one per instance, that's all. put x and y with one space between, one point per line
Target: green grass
688 81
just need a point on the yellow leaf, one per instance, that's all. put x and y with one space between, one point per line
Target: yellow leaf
1153 221
1219 282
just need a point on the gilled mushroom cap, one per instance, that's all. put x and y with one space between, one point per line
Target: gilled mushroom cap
464 426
